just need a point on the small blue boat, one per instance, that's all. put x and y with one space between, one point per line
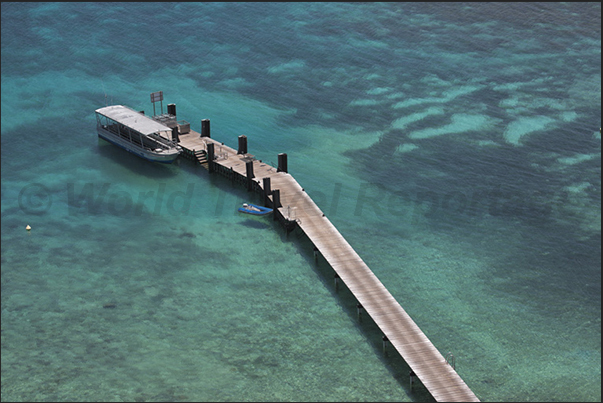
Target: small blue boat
254 209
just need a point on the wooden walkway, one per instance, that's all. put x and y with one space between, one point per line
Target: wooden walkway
405 336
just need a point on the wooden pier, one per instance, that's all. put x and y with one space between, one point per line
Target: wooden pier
293 207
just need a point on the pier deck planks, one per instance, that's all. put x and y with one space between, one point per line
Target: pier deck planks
405 336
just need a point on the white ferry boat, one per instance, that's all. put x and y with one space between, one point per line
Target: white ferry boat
137 133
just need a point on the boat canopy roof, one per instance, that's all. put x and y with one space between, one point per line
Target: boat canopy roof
132 119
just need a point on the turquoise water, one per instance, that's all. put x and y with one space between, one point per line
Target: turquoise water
456 147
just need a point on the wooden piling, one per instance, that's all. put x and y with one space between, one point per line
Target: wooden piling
250 176
210 157
276 203
267 191
205 128
282 163
171 109
242 145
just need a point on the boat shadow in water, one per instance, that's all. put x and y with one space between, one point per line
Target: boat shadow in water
134 163
256 224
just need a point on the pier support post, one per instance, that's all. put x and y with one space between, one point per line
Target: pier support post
359 309
336 276
172 109
205 128
412 378
242 145
267 191
315 254
282 163
250 176
385 342
276 198
175 134
276 203
210 157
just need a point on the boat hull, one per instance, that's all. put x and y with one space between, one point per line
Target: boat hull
165 157
255 210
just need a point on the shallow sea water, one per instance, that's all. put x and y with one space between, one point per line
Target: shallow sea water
456 147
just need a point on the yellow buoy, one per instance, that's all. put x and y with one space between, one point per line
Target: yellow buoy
28 227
